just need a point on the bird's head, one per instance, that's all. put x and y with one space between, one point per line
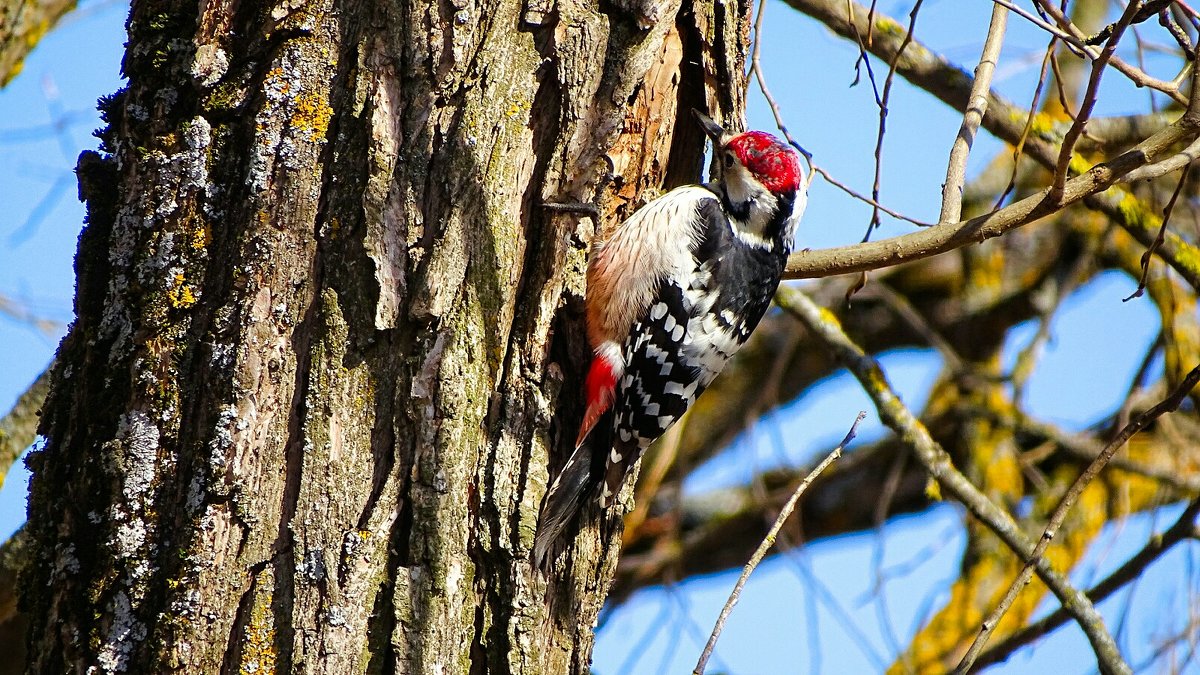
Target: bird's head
754 155
761 185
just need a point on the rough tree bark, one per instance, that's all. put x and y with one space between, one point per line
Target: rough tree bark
328 339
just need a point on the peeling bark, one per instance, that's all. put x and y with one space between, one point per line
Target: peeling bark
311 400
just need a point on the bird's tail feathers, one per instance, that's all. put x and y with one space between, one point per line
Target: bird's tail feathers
564 499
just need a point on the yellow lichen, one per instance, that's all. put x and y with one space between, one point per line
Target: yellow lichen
887 26
933 490
201 237
830 318
181 294
1042 124
258 645
1136 213
1079 164
312 115
1186 255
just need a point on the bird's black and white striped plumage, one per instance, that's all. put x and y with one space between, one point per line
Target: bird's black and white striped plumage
673 293
695 325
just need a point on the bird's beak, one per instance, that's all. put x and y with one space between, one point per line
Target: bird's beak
713 130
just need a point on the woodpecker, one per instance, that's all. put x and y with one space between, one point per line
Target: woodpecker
672 294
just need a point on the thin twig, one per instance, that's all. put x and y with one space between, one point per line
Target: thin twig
1087 449
1137 384
1089 102
1160 237
956 168
761 78
909 315
1079 272
769 541
883 113
862 52
879 582
1019 148
1141 62
1060 85
1144 9
1181 37
802 568
850 191
1044 25
1138 77
1060 513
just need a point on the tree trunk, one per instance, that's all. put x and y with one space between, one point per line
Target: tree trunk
329 344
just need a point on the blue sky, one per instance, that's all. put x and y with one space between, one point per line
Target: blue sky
822 594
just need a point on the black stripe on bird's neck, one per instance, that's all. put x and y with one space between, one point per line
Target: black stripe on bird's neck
785 202
739 211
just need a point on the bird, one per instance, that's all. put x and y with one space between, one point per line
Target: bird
672 293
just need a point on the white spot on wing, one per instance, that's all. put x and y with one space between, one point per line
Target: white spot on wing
652 351
687 392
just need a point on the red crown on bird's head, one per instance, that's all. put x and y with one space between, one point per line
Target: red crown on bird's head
774 163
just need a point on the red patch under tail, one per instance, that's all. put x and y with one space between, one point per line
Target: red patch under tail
601 390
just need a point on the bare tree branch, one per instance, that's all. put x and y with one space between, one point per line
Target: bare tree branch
1135 75
1048 27
956 170
882 102
1161 236
1156 546
1089 102
1004 120
756 69
22 25
18 428
947 237
1056 519
896 415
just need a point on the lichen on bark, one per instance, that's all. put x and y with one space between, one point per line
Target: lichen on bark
326 334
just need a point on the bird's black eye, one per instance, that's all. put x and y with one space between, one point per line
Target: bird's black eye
729 161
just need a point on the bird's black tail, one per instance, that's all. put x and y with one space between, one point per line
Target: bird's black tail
570 490
563 501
